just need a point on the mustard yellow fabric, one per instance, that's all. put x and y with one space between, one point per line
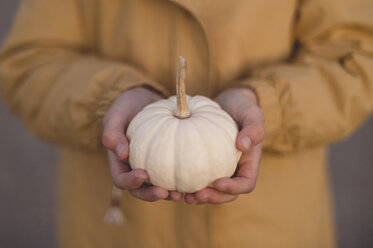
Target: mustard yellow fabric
310 63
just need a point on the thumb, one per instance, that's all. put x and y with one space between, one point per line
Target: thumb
113 137
250 135
122 149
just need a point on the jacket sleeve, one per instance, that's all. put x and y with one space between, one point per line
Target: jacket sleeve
53 79
326 90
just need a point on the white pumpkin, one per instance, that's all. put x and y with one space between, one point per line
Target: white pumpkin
184 154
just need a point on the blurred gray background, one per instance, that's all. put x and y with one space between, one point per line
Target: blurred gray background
28 177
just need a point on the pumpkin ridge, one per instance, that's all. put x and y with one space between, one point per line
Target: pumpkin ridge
146 144
157 105
206 102
177 154
164 133
174 143
216 124
213 111
224 117
206 145
152 139
152 115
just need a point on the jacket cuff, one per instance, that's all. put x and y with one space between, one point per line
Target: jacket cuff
268 101
125 82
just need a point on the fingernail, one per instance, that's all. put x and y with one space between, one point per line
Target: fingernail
120 149
189 200
246 142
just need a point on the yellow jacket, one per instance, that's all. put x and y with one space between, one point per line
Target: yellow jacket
310 63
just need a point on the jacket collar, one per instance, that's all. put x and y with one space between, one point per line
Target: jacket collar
211 14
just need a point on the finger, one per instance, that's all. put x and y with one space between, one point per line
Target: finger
113 136
250 135
122 176
212 196
189 198
175 195
150 193
248 169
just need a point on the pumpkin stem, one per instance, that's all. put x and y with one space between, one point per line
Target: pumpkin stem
182 111
114 215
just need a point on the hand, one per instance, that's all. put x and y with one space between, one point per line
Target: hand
241 104
115 122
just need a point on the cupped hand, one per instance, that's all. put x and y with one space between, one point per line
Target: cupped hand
241 104
115 123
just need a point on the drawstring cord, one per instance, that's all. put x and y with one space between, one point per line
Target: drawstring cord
114 215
